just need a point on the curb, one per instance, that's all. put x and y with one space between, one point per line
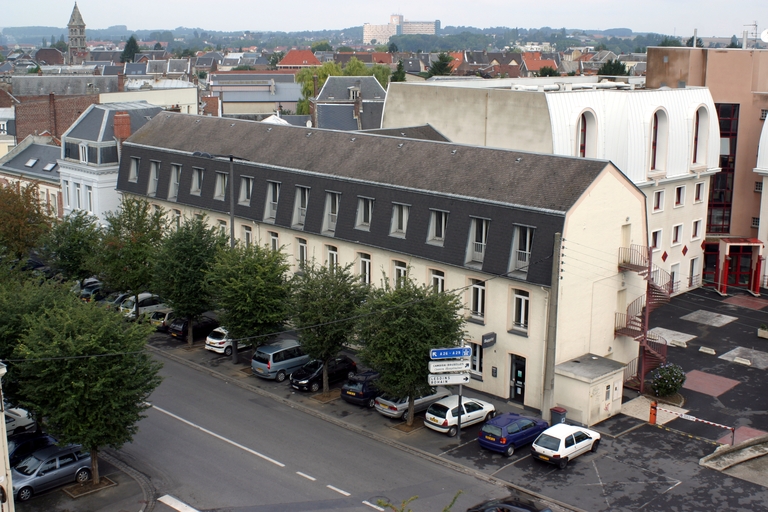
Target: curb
390 442
718 460
146 486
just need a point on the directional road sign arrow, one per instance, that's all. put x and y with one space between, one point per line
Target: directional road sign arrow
450 353
448 366
448 379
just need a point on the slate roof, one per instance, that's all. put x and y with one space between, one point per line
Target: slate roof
112 70
41 156
109 55
515 178
334 116
97 123
76 18
178 66
425 132
370 117
156 67
283 92
337 88
133 68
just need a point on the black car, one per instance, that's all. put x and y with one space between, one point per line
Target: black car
21 446
512 503
201 327
361 389
310 376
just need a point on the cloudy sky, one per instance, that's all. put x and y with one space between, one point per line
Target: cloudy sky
673 17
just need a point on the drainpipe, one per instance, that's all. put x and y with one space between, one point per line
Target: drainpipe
551 341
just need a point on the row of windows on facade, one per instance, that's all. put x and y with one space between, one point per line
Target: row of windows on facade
677 235
75 200
658 197
91 155
587 137
438 223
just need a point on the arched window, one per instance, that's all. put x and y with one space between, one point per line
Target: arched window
700 136
654 140
587 136
659 138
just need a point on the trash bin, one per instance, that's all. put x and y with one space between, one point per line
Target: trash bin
556 415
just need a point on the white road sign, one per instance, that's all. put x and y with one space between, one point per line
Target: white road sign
448 379
448 366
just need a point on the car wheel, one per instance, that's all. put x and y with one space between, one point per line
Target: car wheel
314 387
351 374
405 416
453 431
24 494
371 403
562 464
510 450
490 415
82 476
280 376
595 444
228 351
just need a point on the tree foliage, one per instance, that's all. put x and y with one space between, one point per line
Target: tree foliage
699 42
70 246
397 328
306 78
184 258
399 74
355 67
321 46
322 296
129 245
275 58
548 71
613 68
85 374
250 287
23 219
442 66
670 41
130 50
392 48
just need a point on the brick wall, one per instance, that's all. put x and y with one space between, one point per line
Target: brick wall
54 114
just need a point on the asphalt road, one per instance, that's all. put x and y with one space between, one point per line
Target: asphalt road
216 446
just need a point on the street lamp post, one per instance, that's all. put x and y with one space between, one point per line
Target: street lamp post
231 192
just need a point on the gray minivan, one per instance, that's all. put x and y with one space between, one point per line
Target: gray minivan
278 360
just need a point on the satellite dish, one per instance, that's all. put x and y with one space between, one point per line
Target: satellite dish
764 36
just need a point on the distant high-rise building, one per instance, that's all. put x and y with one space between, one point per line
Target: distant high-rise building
76 40
380 34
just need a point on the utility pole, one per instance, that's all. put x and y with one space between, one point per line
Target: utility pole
551 341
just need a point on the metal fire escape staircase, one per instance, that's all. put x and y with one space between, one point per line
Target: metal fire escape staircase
634 323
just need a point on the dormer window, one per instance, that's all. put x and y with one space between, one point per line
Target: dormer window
300 211
133 172
331 211
84 153
354 93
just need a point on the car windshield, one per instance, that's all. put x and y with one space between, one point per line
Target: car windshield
127 304
492 430
178 324
548 442
354 385
29 465
313 366
437 410
217 335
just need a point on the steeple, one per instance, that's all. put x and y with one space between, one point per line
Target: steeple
76 19
76 41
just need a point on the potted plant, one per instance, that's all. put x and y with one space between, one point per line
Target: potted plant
762 331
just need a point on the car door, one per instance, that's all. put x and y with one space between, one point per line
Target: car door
582 441
473 412
527 431
46 475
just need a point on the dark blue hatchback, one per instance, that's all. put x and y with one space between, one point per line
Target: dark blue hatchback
509 431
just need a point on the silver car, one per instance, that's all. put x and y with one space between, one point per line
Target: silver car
394 407
50 467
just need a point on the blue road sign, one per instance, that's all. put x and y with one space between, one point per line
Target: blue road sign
450 353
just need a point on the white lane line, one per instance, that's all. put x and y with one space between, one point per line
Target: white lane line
306 476
374 507
345 493
176 504
214 434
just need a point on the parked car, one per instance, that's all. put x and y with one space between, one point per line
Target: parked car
17 420
562 443
278 360
78 286
162 319
114 299
219 341
201 327
361 389
50 467
148 303
512 503
509 431
93 293
21 446
443 415
310 376
397 407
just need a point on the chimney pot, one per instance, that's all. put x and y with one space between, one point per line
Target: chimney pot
122 125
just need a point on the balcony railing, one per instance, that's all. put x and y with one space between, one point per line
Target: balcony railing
478 250
522 260
332 221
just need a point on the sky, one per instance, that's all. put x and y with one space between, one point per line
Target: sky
669 17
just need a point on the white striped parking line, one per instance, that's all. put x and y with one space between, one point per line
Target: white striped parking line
345 493
374 507
306 476
176 504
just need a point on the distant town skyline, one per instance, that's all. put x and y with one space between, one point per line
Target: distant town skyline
670 17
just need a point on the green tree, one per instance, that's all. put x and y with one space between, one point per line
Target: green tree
670 41
392 48
250 287
345 49
130 50
613 68
398 326
70 246
33 70
129 245
61 46
356 68
381 73
306 78
442 66
699 42
45 43
243 67
399 74
321 46
202 75
323 295
86 375
23 219
184 258
158 46
548 71
275 58
734 42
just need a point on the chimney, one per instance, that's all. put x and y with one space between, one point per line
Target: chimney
122 125
52 114
120 82
744 39
695 31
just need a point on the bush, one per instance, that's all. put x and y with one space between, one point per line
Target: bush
667 379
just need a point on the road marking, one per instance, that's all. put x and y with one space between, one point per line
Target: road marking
214 434
176 504
457 447
602 486
306 476
345 493
374 507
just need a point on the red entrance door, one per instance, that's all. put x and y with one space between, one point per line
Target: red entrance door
740 271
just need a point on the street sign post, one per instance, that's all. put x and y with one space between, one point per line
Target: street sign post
448 379
450 353
448 366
